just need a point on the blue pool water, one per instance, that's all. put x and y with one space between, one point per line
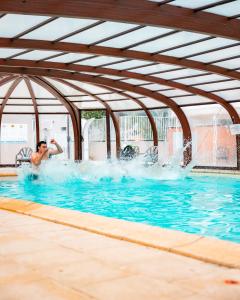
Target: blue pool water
203 205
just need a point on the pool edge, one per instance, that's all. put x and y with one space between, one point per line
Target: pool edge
206 249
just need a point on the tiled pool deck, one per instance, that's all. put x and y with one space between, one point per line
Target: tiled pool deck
53 253
44 260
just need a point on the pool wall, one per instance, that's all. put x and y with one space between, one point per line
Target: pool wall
191 245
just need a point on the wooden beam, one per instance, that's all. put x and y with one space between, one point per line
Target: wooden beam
54 91
134 11
31 92
8 94
108 51
108 108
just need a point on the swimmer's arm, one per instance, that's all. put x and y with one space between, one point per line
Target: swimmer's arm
59 149
36 159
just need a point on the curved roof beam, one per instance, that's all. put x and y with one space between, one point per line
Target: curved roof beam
106 105
7 79
31 92
145 109
51 89
107 82
187 136
108 51
152 79
8 94
134 11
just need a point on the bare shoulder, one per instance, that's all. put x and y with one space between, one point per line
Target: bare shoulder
34 155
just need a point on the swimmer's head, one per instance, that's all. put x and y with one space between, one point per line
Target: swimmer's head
41 146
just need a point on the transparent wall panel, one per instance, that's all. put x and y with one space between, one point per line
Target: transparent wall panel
58 127
213 144
135 130
170 136
94 135
17 131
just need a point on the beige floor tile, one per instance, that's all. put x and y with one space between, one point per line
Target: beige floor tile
214 284
88 242
50 258
39 290
15 244
126 254
136 288
81 274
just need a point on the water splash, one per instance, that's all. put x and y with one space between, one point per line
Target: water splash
114 170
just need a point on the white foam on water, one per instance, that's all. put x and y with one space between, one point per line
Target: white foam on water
61 171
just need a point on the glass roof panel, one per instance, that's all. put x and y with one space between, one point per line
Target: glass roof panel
37 55
6 52
99 32
191 99
19 101
236 106
134 81
113 77
135 37
192 4
201 79
51 109
206 111
47 101
149 102
173 40
69 57
8 109
112 97
58 28
220 54
229 64
85 98
93 89
154 68
175 92
229 95
227 9
133 94
220 85
40 92
21 90
101 60
63 88
156 87
200 47
129 64
123 105
4 88
180 73
11 24
89 105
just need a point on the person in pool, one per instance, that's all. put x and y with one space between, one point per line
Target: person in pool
44 153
